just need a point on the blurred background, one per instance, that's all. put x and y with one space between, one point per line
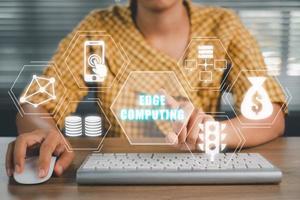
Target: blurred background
30 30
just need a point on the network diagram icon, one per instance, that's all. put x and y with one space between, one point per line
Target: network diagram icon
205 63
212 136
39 85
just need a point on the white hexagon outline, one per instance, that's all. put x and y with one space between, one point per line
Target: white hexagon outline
72 44
238 148
16 100
116 117
98 148
222 85
253 124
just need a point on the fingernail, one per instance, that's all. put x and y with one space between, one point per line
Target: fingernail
18 169
9 172
60 169
41 173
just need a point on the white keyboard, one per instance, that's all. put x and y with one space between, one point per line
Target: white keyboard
176 168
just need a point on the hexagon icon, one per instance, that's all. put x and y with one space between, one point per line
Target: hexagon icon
150 105
205 64
87 59
256 102
41 90
90 126
211 139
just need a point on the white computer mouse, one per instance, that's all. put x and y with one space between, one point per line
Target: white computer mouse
30 172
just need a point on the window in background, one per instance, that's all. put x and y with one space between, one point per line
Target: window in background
267 27
293 65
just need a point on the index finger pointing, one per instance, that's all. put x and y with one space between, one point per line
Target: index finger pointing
170 101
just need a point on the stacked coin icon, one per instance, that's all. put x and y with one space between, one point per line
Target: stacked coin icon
73 126
93 126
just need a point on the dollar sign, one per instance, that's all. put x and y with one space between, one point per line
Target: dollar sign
257 105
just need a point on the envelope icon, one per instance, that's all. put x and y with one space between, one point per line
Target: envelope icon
39 91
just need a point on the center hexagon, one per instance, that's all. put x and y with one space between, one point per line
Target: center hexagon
151 105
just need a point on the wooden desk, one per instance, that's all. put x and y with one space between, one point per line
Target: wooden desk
283 152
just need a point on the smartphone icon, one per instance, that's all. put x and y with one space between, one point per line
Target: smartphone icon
95 69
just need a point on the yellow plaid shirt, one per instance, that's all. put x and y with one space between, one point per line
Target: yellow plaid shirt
118 23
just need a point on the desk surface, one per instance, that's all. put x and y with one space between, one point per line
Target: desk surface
283 152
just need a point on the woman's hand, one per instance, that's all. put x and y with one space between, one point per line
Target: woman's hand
49 143
186 133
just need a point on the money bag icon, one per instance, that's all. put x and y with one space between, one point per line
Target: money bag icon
256 104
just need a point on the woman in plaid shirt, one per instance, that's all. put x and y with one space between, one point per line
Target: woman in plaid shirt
154 35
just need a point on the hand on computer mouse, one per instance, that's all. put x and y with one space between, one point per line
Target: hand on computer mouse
50 143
